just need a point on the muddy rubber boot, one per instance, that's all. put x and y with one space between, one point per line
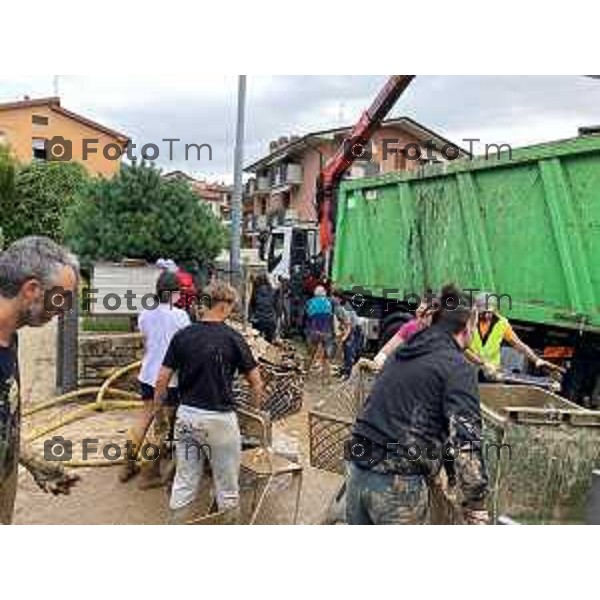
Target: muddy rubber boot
129 470
151 477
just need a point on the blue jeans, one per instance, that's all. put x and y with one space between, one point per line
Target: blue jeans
352 348
386 499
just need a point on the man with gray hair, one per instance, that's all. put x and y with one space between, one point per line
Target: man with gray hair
38 279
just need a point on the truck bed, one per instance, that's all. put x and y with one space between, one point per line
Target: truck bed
527 226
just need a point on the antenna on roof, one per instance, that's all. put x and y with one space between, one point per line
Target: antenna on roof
55 85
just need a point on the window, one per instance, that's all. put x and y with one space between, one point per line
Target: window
39 120
39 149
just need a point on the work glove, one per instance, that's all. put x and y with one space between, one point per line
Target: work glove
50 477
547 365
491 372
366 365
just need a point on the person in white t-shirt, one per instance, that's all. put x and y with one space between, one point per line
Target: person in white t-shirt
157 326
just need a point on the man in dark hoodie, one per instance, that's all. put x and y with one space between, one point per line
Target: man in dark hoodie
422 411
262 308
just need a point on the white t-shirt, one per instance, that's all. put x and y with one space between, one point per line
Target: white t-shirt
158 327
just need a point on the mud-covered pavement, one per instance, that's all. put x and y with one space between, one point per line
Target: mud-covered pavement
99 498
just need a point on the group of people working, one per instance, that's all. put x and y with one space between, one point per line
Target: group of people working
330 322
187 375
485 349
423 417
425 397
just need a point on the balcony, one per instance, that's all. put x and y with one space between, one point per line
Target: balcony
262 184
286 174
257 185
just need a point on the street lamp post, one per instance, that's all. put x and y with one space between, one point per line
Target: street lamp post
238 187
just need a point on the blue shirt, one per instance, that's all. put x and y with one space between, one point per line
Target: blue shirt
319 314
319 305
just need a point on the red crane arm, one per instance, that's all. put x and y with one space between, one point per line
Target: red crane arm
344 157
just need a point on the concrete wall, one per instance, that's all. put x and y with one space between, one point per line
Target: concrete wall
100 354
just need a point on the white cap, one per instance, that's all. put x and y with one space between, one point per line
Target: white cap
170 265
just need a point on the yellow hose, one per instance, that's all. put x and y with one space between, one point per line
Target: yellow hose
104 401
81 413
75 396
114 377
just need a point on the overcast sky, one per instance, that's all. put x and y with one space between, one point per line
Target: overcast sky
202 109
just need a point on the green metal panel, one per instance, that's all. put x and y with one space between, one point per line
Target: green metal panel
526 225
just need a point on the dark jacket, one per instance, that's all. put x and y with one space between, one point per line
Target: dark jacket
425 404
262 304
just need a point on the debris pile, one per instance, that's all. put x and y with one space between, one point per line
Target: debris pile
282 374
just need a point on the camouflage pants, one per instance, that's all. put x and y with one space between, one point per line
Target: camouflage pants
386 499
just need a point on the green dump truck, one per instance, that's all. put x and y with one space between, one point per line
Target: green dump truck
524 225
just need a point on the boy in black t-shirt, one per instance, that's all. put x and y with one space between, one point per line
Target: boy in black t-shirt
206 357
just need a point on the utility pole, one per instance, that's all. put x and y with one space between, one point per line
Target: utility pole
238 188
67 348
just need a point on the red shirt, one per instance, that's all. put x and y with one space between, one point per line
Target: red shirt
187 288
409 329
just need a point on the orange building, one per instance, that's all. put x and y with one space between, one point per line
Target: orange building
41 129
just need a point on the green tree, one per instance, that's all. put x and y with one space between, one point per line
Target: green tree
8 170
36 201
138 214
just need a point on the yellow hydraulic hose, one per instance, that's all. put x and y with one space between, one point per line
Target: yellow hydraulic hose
106 399
76 396
116 375
81 413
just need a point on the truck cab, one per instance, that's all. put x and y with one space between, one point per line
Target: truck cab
291 253
288 249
